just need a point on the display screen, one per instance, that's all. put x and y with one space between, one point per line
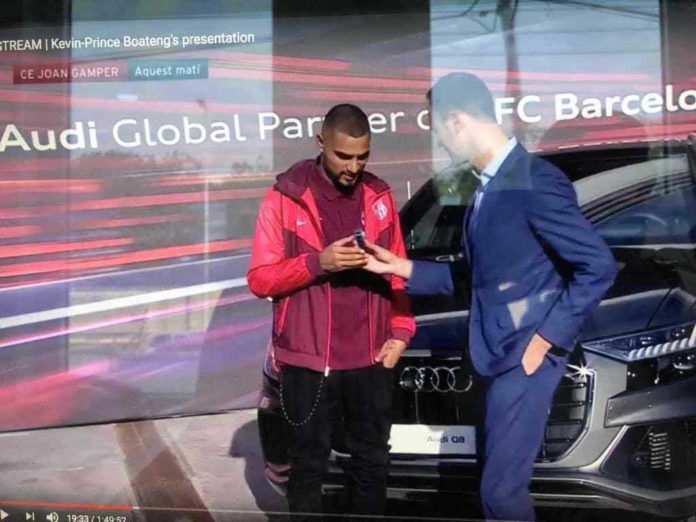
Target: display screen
136 143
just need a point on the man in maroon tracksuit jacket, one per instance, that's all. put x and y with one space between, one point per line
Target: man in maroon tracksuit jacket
337 330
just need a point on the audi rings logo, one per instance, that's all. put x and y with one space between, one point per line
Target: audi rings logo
441 379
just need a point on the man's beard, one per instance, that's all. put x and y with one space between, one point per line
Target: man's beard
346 190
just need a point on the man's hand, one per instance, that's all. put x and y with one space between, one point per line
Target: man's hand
382 261
342 254
391 352
534 355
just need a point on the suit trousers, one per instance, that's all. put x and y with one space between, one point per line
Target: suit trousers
517 409
359 404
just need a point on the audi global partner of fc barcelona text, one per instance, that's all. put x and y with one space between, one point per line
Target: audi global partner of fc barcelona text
622 427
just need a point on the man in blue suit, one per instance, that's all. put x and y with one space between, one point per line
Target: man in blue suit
538 268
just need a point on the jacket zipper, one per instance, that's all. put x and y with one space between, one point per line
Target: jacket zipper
369 328
368 204
328 333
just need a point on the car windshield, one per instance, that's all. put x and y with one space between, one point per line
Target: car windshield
644 203
647 204
432 220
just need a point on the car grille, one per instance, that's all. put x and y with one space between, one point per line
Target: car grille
658 456
444 407
668 448
567 417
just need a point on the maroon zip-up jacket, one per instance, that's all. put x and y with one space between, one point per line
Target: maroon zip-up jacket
287 244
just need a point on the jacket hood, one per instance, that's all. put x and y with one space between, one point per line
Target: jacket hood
294 182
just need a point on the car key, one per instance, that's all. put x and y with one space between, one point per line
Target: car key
360 238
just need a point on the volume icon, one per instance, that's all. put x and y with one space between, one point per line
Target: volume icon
52 517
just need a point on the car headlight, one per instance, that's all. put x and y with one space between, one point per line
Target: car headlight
270 367
648 344
653 357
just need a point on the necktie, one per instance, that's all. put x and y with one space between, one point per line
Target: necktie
474 208
478 199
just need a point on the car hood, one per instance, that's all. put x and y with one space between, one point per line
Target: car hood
654 287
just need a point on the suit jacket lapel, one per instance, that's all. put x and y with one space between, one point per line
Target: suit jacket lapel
465 225
494 185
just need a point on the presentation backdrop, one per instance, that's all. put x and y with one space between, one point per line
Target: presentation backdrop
137 142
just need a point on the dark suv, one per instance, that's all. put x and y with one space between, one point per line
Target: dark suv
622 428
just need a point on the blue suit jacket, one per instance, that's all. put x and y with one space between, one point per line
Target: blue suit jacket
537 265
